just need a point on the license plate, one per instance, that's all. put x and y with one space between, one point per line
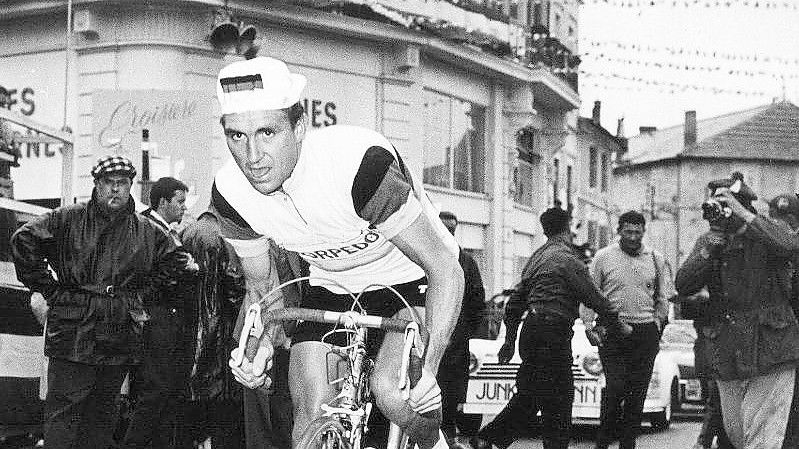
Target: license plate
499 391
487 391
693 390
587 393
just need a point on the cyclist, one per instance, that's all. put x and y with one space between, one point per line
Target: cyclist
344 200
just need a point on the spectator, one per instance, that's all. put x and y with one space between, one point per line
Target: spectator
554 282
785 207
267 410
744 263
453 374
638 281
109 262
159 383
696 308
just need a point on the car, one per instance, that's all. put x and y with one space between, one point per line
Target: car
492 384
21 362
678 341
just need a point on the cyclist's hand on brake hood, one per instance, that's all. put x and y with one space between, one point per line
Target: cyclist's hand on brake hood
426 395
252 373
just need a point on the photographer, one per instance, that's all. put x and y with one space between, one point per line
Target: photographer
752 345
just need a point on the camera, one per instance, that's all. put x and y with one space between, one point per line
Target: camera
714 210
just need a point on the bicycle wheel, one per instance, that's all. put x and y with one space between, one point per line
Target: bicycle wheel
324 432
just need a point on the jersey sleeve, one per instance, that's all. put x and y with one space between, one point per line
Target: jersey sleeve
232 224
382 192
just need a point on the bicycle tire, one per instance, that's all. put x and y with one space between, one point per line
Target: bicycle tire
325 432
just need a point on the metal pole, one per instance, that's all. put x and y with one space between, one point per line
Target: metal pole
67 55
68 149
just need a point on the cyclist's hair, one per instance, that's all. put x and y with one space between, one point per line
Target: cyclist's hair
293 112
632 217
555 221
165 188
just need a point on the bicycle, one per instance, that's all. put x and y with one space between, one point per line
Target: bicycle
343 423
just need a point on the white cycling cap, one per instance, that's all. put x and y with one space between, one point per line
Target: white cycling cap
258 84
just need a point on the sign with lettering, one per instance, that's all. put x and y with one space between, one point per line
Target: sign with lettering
489 396
332 98
179 125
32 85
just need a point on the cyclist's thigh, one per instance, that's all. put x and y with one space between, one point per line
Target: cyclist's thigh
387 364
307 382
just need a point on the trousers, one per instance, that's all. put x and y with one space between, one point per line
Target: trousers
159 385
756 410
544 383
80 408
627 362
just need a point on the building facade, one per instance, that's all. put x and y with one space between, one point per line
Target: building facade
667 171
482 131
595 211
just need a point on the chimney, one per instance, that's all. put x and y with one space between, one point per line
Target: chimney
595 114
690 128
647 129
620 128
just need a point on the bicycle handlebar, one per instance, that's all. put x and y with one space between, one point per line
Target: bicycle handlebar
344 318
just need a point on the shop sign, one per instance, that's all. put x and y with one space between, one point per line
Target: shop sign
32 85
179 125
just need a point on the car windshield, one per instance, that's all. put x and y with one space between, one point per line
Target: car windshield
679 334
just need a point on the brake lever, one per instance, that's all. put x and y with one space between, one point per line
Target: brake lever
411 367
253 327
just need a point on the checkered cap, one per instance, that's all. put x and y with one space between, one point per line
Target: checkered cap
113 165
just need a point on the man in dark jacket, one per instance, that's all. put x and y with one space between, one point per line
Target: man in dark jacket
453 374
753 335
109 262
554 283
159 383
218 295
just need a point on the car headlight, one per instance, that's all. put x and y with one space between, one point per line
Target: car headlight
592 365
473 363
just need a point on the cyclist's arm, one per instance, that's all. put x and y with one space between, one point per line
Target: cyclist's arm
444 283
260 277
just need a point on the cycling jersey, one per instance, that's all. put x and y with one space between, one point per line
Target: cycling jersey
348 195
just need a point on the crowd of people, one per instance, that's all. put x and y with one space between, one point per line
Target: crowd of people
131 304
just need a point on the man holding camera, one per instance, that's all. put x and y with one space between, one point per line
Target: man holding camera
753 335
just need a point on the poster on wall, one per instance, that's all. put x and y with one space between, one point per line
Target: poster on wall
33 86
178 127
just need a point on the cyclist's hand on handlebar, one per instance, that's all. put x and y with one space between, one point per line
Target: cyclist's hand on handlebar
426 395
252 373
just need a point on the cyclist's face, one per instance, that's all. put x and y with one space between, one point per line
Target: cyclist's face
264 145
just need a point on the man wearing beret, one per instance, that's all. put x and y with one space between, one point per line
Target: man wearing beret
109 262
785 207
752 344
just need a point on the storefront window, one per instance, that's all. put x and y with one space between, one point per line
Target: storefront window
523 181
454 143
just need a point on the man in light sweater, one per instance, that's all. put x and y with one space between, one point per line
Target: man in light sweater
638 281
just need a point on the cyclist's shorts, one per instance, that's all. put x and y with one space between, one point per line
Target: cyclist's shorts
381 302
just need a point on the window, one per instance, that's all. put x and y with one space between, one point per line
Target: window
535 13
454 143
514 9
591 238
556 181
523 180
604 237
604 167
568 186
593 157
